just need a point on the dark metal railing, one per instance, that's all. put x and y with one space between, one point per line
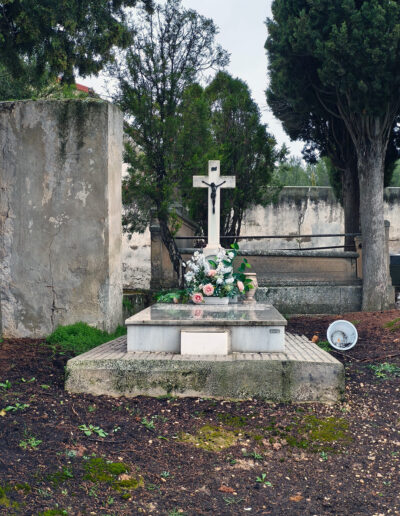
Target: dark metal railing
286 237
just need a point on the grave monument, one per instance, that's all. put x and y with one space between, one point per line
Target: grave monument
225 351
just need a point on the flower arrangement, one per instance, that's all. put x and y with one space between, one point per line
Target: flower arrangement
216 278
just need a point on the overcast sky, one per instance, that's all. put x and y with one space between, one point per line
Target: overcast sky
242 33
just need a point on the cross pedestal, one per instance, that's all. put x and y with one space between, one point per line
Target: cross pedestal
214 182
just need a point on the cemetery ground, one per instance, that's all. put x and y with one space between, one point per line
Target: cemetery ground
81 454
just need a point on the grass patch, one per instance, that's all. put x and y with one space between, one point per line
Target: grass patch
324 344
393 325
80 337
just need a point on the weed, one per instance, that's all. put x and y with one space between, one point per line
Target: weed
92 408
17 406
324 455
5 385
45 386
80 337
89 430
165 474
385 370
59 477
149 424
393 325
54 512
263 480
324 344
28 381
30 442
256 456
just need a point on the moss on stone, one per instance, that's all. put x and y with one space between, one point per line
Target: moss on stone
210 438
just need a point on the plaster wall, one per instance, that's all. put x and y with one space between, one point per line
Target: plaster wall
60 215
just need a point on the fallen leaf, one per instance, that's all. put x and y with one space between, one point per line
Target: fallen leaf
277 446
3 413
124 476
296 498
315 339
226 489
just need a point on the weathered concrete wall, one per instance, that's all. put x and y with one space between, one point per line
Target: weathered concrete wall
306 211
60 215
300 210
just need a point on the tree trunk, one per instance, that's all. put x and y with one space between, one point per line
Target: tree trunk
174 254
375 266
351 205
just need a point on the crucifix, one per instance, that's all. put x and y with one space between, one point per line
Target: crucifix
214 182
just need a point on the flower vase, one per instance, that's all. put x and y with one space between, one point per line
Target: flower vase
213 300
249 295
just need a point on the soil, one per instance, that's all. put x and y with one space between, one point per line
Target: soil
199 456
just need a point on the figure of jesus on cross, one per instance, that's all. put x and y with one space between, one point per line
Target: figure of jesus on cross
214 182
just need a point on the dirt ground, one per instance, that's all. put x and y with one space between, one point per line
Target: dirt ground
80 454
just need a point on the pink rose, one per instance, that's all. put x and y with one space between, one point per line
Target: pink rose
212 273
208 289
197 298
240 286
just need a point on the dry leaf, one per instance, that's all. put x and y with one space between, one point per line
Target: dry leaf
296 498
3 412
226 489
315 339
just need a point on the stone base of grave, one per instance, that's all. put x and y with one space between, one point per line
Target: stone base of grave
303 372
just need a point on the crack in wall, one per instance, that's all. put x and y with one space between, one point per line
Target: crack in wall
54 307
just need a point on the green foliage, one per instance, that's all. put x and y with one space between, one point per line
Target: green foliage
174 296
263 480
385 370
90 429
81 337
294 173
5 385
17 406
170 49
61 37
148 423
324 344
395 180
30 442
245 148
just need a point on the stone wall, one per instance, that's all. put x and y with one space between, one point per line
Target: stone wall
60 215
306 211
299 210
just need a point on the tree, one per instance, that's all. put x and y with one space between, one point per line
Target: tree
345 55
244 146
58 37
170 49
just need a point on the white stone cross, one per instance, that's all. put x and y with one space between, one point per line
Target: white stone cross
214 182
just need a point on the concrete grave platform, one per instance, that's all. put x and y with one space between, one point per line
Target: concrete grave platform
252 328
303 372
